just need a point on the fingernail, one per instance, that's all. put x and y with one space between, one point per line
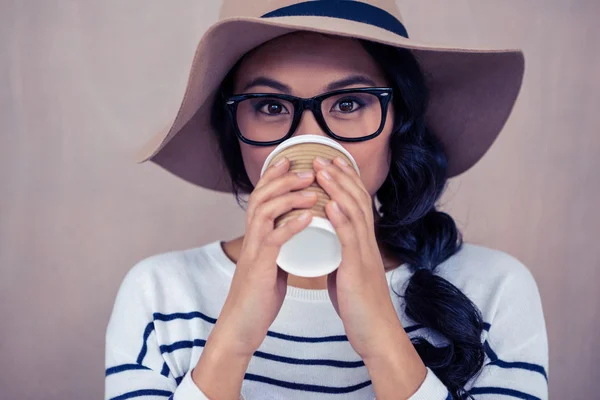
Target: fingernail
304 216
342 162
305 174
323 161
325 175
308 193
280 162
335 205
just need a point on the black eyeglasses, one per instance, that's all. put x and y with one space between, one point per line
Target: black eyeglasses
347 115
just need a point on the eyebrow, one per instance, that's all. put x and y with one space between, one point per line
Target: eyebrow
272 83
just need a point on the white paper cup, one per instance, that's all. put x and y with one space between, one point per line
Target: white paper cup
316 250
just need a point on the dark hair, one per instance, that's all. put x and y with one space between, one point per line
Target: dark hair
410 227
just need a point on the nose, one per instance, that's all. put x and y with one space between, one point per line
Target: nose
308 125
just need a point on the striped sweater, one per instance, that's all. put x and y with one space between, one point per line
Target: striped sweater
168 303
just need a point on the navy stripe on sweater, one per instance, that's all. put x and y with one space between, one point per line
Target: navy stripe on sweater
512 364
165 370
305 339
300 361
190 315
147 332
184 344
124 367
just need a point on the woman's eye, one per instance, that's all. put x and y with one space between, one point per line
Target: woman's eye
346 105
273 108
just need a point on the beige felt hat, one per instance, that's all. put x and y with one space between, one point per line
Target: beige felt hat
472 91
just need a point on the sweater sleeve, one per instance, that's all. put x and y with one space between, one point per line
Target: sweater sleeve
516 347
135 367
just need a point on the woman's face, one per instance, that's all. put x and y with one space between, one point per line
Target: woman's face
307 63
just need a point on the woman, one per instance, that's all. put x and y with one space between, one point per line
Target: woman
411 312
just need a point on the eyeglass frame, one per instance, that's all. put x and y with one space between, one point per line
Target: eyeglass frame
384 94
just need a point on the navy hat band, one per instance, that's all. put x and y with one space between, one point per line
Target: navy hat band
344 9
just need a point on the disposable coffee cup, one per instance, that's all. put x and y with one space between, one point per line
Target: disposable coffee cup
316 250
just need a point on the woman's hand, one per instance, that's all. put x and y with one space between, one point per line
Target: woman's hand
358 288
258 287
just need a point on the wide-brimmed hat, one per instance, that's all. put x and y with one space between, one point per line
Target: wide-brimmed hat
472 91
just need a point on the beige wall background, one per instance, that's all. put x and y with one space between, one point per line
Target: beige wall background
82 84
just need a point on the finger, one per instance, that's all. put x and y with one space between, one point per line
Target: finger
345 230
343 165
349 180
282 234
350 206
274 171
264 218
349 169
270 210
277 187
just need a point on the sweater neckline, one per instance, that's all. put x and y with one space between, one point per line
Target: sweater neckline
293 292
